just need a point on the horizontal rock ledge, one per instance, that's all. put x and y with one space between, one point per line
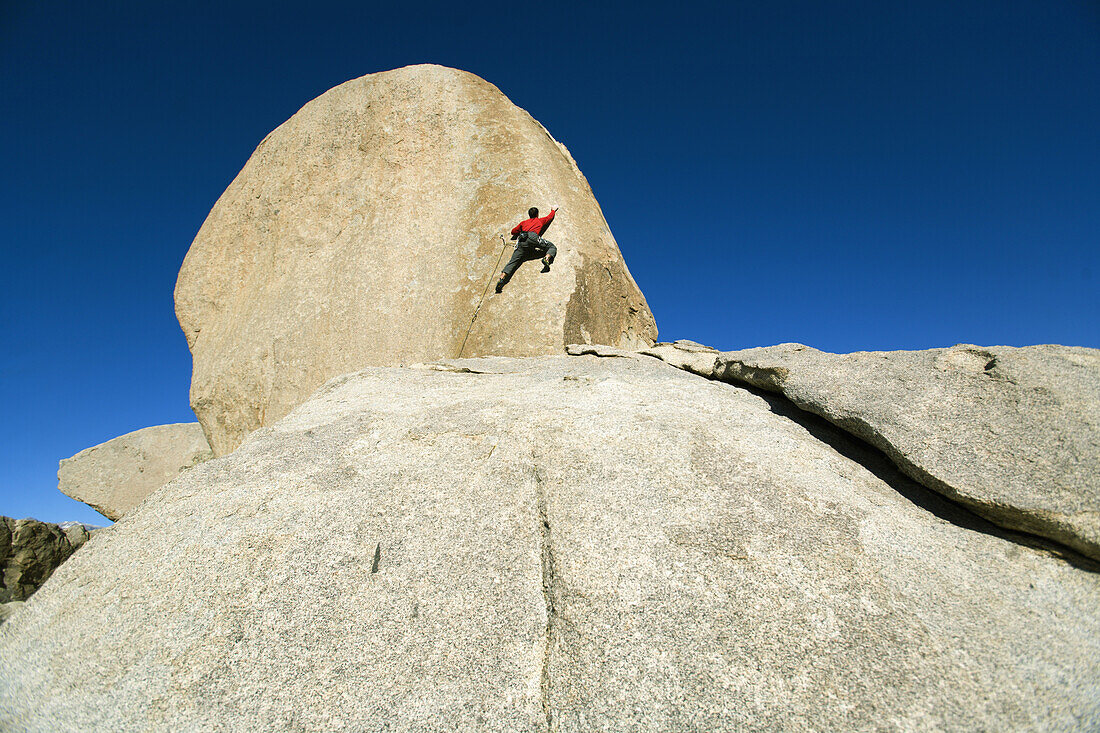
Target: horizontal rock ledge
1011 433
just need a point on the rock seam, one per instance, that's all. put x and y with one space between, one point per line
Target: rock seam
549 593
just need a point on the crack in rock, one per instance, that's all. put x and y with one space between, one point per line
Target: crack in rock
377 559
606 352
446 367
549 594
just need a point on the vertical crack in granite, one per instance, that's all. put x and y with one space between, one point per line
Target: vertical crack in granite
549 593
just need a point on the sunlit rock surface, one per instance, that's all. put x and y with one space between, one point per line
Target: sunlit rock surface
364 231
564 543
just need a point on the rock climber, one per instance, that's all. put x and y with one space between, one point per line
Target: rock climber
530 245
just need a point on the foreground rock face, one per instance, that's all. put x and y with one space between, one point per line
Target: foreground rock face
115 476
1012 433
363 231
562 543
30 551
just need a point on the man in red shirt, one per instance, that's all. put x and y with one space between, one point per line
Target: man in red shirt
530 245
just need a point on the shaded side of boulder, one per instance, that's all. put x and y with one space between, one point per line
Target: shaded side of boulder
29 553
1012 433
598 542
115 476
364 232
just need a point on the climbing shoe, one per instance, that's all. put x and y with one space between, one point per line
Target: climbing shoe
500 285
545 265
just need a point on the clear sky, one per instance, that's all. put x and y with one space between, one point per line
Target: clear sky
849 175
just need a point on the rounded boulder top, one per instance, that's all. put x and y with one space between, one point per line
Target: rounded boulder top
365 230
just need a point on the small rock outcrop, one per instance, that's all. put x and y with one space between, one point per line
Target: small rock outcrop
565 543
30 551
1011 433
115 476
363 232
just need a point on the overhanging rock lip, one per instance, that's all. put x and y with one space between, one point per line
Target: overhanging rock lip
1071 526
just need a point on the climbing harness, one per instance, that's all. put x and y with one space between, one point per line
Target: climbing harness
486 290
531 238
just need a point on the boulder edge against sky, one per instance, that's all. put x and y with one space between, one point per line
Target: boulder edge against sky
364 231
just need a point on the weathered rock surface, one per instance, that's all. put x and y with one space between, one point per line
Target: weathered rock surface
1012 433
7 609
30 551
363 232
115 476
563 543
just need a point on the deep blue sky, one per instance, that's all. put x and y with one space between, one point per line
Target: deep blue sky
850 175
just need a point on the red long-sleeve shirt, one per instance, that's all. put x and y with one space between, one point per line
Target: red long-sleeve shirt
538 226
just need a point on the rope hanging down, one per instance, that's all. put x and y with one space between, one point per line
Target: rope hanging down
483 292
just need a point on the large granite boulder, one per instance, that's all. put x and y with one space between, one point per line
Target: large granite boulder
1012 433
115 476
364 231
553 543
30 551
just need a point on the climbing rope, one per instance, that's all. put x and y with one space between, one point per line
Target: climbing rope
495 269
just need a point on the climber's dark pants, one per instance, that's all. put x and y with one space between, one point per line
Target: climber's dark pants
529 251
